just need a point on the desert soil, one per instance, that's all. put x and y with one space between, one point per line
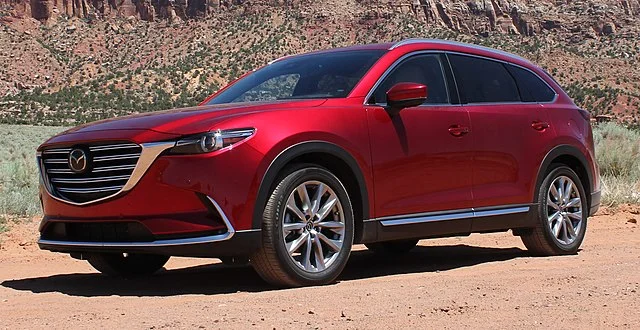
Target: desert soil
481 281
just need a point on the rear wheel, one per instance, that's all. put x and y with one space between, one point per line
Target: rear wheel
307 229
393 247
562 214
127 264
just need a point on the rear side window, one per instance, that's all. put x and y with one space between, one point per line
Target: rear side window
532 88
482 81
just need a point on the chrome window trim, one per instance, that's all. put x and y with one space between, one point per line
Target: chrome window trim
160 243
446 52
150 151
394 65
471 213
555 96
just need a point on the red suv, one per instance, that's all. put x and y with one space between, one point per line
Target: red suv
293 163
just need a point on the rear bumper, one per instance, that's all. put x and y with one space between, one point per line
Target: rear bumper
594 203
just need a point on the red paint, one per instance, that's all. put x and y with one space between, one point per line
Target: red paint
407 91
423 159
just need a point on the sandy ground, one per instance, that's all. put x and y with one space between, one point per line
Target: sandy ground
482 281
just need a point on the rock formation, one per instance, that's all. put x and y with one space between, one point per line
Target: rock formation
523 17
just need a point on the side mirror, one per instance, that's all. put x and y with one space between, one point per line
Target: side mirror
405 95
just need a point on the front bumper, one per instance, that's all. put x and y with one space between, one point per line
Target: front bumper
227 243
182 205
241 243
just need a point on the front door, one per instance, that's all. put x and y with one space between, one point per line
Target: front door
422 156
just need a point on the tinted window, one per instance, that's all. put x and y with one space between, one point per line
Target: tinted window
481 80
421 69
276 88
532 88
324 75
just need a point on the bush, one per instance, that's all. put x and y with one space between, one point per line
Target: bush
18 170
617 150
618 155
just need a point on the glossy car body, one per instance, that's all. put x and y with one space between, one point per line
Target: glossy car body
434 170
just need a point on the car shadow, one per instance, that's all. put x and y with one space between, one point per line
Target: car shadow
219 279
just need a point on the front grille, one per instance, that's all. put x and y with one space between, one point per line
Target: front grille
108 168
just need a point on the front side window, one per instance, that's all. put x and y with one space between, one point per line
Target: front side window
422 69
311 76
483 81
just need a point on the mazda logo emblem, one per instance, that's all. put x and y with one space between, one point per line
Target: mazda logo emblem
78 160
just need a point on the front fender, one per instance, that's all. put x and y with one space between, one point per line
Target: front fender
284 157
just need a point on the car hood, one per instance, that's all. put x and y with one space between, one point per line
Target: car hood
189 120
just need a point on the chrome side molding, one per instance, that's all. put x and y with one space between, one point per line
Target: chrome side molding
451 215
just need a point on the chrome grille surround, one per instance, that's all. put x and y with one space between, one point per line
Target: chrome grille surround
116 168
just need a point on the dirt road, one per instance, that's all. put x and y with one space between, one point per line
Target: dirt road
485 281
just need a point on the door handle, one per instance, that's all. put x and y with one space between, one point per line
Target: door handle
458 131
540 125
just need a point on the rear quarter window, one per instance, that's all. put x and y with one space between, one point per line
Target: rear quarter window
532 88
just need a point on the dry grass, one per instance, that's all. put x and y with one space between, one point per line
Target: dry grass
618 155
18 171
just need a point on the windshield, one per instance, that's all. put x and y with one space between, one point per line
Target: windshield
325 75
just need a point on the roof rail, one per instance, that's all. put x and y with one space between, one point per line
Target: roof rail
413 41
457 43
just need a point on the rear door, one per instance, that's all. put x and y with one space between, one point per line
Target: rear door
510 135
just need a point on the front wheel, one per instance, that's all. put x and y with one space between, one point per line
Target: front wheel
562 215
307 229
127 264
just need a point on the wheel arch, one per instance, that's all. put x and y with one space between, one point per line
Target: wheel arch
326 154
574 159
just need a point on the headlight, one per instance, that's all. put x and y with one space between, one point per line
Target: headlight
211 141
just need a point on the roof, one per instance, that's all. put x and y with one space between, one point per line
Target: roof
436 44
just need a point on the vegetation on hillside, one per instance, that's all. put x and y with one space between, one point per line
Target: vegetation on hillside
111 68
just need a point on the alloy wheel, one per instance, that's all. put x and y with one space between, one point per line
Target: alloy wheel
564 210
313 226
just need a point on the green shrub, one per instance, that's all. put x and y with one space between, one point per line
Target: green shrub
618 155
18 170
617 150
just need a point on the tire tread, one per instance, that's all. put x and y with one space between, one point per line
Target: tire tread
537 241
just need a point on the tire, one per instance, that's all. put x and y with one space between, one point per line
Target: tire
553 237
393 247
320 244
131 265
